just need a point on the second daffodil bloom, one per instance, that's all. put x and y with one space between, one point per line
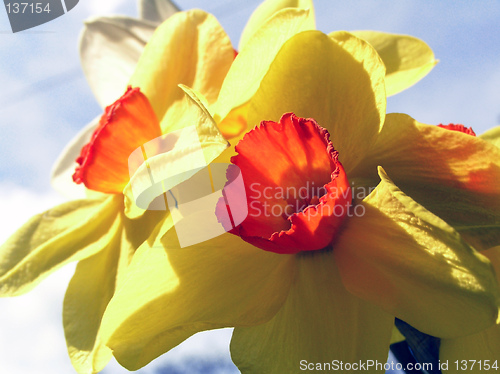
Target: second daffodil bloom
320 277
481 348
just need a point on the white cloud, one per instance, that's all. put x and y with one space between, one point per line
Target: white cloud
32 340
104 7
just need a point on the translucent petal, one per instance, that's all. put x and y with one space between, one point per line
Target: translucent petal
109 50
407 59
480 347
69 232
267 9
95 280
492 136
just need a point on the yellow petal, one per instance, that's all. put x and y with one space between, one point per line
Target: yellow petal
189 48
195 143
69 232
492 136
252 63
319 322
171 293
338 81
400 256
93 285
407 59
267 9
479 347
454 175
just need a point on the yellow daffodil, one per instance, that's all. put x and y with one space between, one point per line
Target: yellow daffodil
95 231
108 234
309 286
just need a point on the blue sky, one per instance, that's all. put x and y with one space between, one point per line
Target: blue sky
45 100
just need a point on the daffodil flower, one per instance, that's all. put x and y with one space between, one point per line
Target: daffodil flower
311 285
95 231
105 230
470 203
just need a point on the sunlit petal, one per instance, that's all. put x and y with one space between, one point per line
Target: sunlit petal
267 9
95 280
87 296
189 48
407 59
252 63
69 232
492 136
